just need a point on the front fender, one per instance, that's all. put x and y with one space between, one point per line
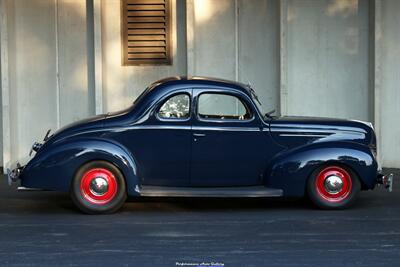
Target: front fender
290 169
53 168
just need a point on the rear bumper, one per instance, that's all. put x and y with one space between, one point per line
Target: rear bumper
386 181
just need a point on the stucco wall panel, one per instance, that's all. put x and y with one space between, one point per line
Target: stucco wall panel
238 40
32 72
47 69
214 40
122 84
73 67
390 84
328 61
258 32
321 54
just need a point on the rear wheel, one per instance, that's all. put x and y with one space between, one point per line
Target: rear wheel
98 187
333 187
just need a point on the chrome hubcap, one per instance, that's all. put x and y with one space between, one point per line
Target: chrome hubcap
333 184
98 186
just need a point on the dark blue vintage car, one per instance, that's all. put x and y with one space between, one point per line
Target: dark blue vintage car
202 137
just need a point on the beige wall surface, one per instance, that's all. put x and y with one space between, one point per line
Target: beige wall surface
328 63
122 84
258 51
329 58
32 70
47 69
238 40
390 83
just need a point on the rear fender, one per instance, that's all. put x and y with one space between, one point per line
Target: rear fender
290 169
54 167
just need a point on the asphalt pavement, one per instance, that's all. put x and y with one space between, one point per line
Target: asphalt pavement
45 229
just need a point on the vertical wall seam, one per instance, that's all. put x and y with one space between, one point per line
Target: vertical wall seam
190 21
377 74
283 90
5 86
90 57
57 64
236 41
98 57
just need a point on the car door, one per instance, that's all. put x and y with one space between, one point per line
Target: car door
161 144
228 144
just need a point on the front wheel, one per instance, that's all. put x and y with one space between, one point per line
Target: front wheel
98 187
333 187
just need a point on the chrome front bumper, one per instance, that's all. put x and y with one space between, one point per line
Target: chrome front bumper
14 174
386 181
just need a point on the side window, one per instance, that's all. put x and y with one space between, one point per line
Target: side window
176 107
222 107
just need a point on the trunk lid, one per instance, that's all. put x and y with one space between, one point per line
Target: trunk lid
292 131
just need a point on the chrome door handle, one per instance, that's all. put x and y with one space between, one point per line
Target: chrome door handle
199 135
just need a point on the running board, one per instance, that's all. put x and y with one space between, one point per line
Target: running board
247 191
26 189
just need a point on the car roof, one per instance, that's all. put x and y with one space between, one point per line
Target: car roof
198 80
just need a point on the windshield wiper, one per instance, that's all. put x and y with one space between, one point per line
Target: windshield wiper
269 114
255 97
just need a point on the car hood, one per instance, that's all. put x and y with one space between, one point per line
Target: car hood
295 131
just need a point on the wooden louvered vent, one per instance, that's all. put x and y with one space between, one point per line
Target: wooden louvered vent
146 32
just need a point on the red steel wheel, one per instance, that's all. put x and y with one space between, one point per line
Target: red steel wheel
333 187
98 186
333 184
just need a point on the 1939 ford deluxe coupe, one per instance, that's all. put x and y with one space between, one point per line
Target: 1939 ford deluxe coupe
203 137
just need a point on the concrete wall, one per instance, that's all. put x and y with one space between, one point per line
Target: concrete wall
1 110
32 72
336 58
328 61
258 51
389 108
47 69
73 66
214 38
122 84
238 40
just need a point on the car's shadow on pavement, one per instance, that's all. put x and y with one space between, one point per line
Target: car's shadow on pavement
55 202
14 202
45 229
39 202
